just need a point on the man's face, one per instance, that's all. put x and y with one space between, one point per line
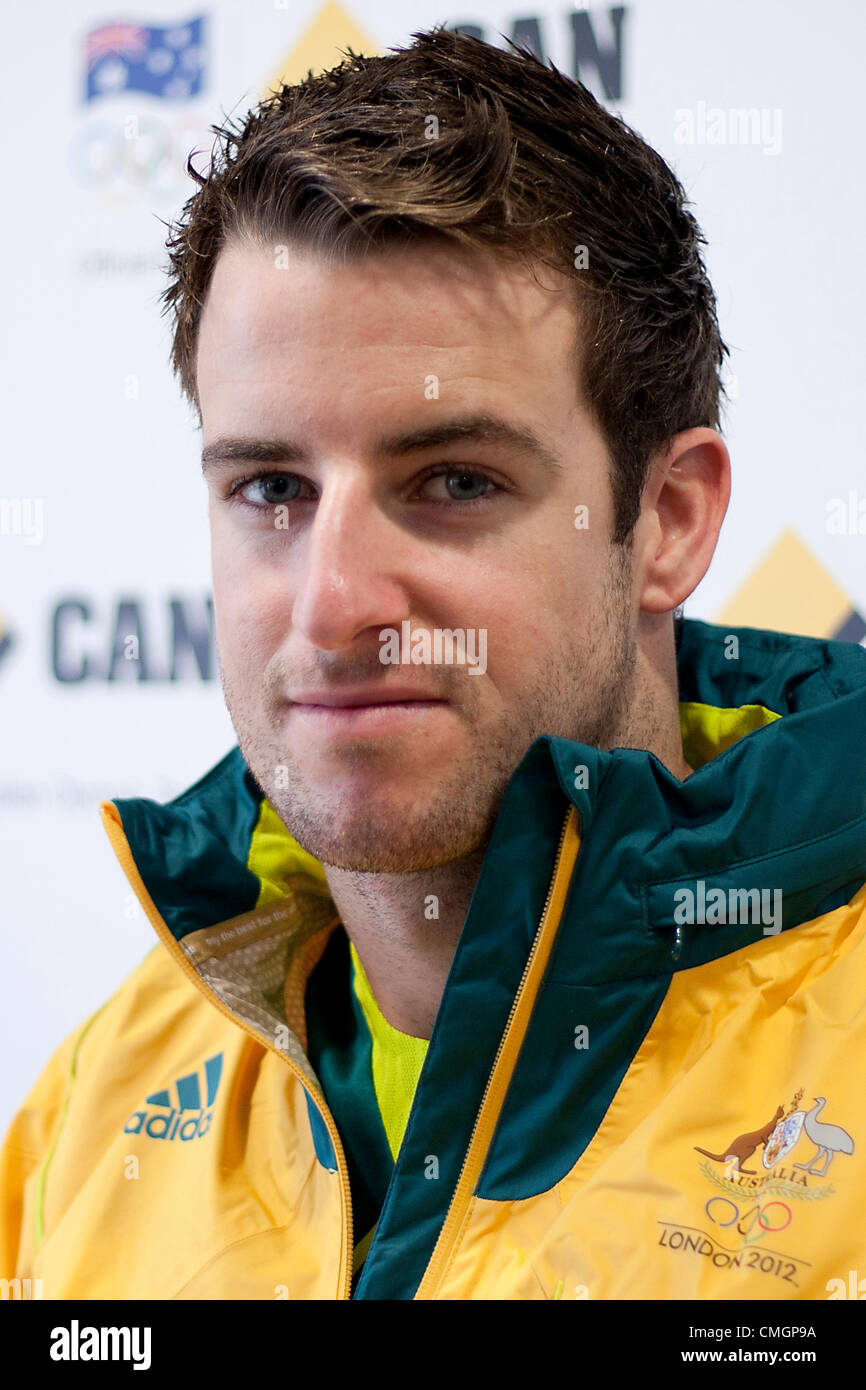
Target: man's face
361 523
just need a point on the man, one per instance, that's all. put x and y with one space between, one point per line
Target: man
517 950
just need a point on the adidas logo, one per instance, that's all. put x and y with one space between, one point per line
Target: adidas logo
168 1122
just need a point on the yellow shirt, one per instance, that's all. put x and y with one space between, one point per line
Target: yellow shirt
397 1060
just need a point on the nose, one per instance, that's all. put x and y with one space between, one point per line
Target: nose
347 578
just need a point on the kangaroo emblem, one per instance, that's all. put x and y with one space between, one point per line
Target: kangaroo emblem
742 1148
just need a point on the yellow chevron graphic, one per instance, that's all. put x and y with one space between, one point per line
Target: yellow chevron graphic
319 49
790 591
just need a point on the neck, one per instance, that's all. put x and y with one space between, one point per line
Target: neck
405 928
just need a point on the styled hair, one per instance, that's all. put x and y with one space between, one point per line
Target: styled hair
454 138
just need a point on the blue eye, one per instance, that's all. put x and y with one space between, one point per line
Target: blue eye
462 484
286 488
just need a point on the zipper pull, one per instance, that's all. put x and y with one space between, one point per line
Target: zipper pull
676 949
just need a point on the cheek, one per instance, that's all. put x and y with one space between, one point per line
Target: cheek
252 608
249 627
540 605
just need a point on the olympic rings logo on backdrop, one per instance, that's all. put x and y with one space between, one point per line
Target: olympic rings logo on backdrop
136 155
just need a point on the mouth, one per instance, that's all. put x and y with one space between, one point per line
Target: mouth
362 712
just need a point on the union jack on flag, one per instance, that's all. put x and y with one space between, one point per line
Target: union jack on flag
164 61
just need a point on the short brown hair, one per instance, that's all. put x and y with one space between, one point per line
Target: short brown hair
525 163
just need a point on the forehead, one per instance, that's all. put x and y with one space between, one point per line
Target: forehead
273 307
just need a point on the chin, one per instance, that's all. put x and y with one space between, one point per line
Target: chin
390 799
417 859
360 840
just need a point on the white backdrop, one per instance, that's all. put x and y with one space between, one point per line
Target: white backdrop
101 497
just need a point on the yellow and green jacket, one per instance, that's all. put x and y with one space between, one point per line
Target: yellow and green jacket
645 1075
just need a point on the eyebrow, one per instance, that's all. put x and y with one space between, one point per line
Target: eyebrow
479 429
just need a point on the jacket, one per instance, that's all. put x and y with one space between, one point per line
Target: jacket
644 1080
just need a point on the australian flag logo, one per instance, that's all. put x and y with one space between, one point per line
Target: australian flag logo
164 62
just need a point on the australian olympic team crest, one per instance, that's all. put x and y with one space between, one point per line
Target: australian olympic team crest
758 1185
783 1138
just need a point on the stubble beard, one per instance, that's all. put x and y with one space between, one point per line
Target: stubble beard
583 693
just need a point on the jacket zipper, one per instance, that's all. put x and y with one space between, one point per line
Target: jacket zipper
119 843
502 1071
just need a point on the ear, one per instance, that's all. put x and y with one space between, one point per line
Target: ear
684 503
